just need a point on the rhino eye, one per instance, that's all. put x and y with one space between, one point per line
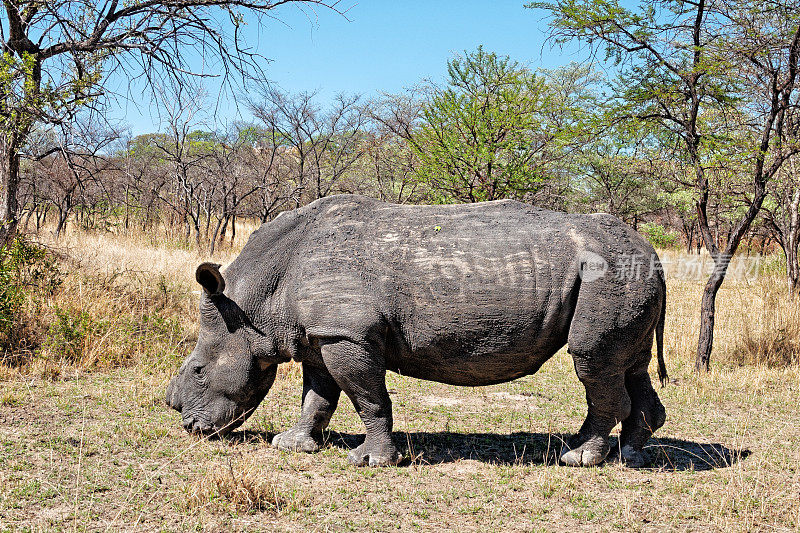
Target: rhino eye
198 369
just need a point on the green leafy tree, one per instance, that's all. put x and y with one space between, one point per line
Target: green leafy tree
782 215
712 74
575 116
619 170
680 202
480 137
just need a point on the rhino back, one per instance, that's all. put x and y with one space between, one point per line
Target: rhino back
450 288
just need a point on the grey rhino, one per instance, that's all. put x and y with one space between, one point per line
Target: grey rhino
476 294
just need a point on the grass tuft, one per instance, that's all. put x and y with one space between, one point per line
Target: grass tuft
8 399
237 488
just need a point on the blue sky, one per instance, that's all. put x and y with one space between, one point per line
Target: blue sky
381 46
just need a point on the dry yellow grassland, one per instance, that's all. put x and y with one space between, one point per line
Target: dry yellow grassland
87 443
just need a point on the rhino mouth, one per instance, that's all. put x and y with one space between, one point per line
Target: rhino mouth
205 429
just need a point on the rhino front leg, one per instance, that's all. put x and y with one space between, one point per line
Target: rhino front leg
320 397
609 404
361 374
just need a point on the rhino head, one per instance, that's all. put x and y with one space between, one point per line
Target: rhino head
230 369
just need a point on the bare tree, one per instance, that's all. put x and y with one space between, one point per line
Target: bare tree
341 144
186 187
278 187
324 144
58 55
141 176
782 215
389 161
67 164
234 169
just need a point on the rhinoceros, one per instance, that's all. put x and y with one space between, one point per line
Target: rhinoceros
473 294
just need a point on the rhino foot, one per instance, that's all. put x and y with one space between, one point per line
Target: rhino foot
590 453
295 440
629 457
372 454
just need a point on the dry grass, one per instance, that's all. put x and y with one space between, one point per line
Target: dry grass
771 336
99 450
121 301
756 321
237 488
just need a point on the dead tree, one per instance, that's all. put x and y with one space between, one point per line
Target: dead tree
58 55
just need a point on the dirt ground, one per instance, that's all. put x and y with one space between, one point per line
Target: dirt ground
101 451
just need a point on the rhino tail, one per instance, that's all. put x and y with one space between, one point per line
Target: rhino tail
662 368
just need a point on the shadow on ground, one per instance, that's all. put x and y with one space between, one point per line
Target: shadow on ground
524 448
678 455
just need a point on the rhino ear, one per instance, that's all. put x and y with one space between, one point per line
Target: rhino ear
209 277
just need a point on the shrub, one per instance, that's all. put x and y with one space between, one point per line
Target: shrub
658 235
158 342
773 265
107 338
28 275
51 317
70 334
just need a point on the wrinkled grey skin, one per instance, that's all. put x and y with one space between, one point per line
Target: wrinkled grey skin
467 295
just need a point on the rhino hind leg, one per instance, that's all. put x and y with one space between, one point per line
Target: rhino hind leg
647 415
361 374
609 404
320 398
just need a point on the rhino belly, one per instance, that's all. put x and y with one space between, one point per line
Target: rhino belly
479 340
471 369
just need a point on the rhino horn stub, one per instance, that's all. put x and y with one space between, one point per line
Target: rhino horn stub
209 276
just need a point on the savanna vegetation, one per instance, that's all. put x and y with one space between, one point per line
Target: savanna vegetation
690 136
87 441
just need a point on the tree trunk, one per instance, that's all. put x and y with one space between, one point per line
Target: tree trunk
63 215
41 216
196 223
792 271
9 181
127 206
707 311
705 342
792 238
790 252
688 233
27 219
212 245
207 208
